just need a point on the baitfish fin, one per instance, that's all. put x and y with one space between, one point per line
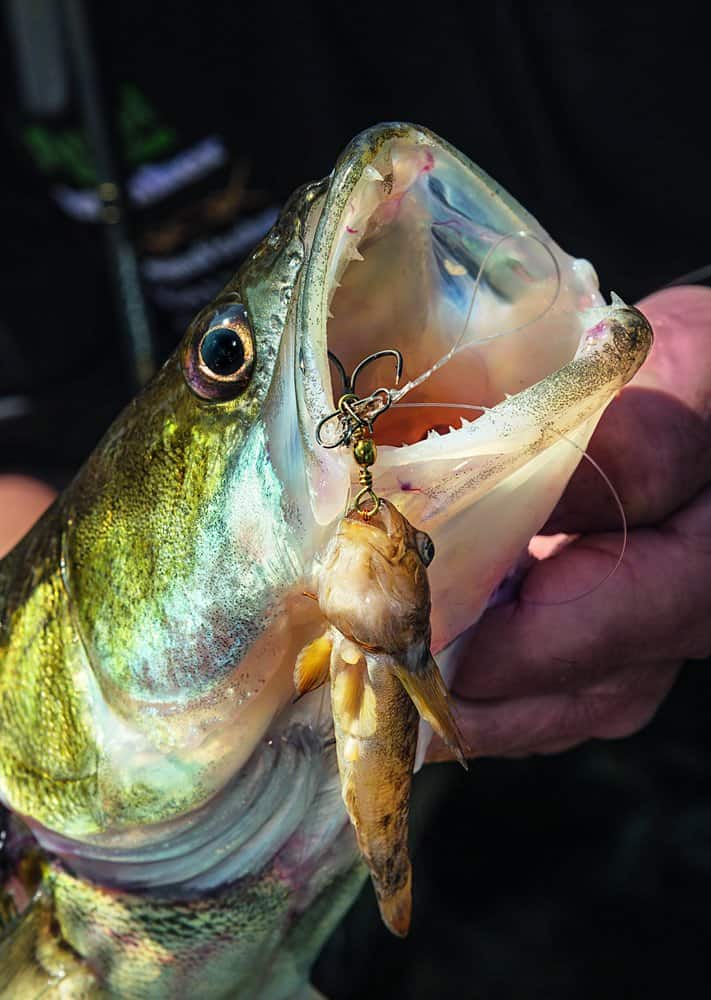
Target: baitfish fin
427 689
352 699
375 725
312 665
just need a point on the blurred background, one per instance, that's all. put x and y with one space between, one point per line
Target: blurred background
147 147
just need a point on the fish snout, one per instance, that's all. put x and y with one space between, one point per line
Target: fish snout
631 333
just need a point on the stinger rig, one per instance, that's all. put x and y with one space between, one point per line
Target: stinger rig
355 416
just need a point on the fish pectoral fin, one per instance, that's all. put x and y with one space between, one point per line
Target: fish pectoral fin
312 664
427 690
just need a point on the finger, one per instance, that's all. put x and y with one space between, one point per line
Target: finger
556 722
652 441
655 606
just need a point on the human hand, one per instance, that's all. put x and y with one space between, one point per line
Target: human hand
22 500
537 676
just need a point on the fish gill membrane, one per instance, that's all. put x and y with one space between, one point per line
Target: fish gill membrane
150 622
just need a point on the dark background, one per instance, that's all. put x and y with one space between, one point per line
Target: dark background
583 875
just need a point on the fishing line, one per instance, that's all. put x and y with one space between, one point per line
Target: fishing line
521 234
616 497
605 478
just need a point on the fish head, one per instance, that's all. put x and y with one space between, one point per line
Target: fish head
373 581
210 497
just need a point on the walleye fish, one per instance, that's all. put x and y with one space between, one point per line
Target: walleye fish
189 813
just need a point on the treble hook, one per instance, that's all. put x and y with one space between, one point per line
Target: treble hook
391 352
349 404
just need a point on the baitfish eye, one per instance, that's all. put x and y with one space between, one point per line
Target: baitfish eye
219 357
425 546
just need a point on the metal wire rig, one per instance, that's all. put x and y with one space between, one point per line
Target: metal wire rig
354 417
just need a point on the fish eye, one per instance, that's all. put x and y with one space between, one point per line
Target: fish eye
219 357
222 352
425 546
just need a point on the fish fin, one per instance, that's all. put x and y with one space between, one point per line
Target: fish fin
352 697
312 664
428 691
36 962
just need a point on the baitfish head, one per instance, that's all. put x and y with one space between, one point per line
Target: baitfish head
159 601
373 583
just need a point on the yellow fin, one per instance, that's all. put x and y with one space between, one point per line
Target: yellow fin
312 664
427 690
352 696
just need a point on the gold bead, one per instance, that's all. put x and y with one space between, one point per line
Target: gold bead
365 452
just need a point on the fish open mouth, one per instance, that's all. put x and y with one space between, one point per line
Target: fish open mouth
418 250
510 354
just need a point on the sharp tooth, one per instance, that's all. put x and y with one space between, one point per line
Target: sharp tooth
451 428
329 314
372 173
356 254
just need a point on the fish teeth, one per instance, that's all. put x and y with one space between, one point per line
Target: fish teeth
372 173
355 254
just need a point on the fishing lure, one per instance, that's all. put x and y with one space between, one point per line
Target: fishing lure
373 591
